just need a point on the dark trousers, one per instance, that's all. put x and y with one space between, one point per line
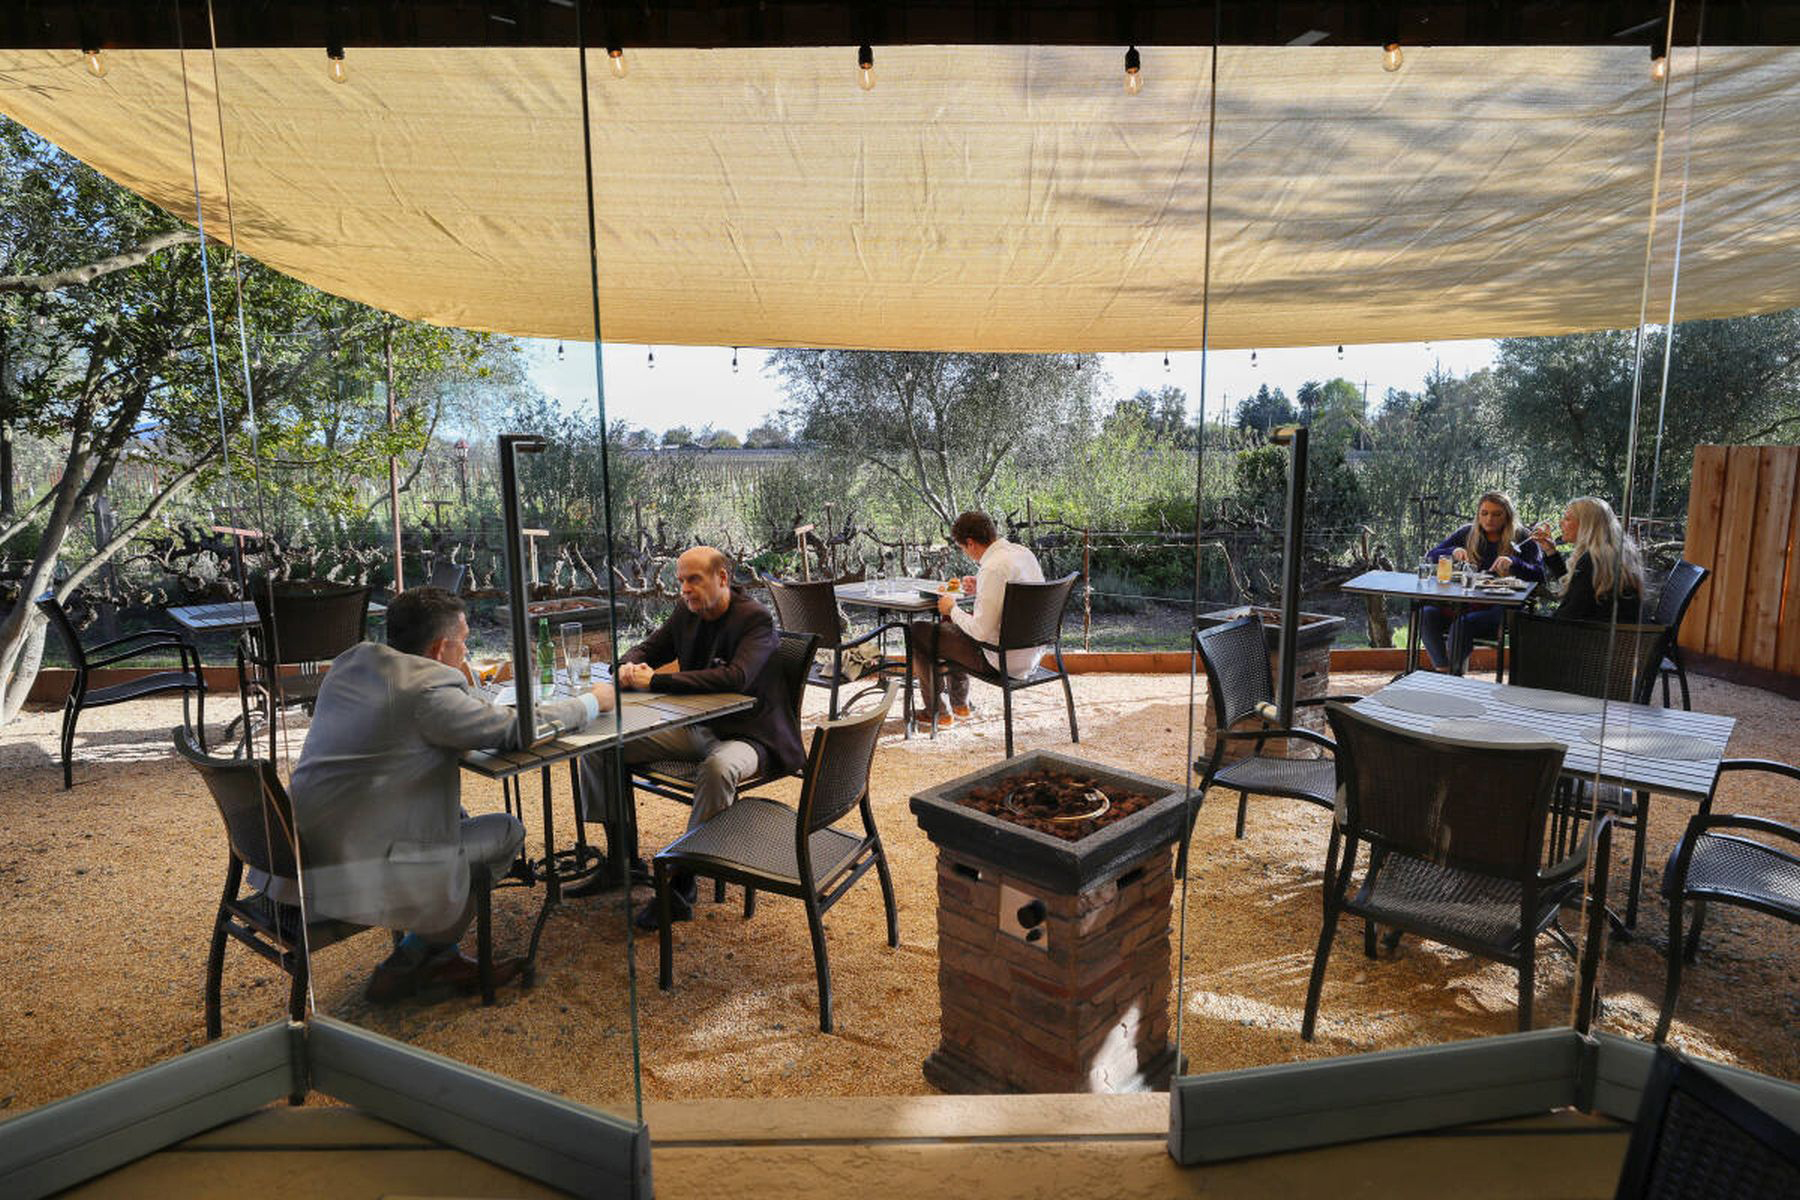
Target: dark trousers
1448 634
932 640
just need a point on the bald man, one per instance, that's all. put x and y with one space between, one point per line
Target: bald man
720 641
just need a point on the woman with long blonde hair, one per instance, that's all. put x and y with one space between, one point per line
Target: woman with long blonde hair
1494 541
1602 563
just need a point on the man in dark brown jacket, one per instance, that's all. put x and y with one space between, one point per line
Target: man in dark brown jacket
721 641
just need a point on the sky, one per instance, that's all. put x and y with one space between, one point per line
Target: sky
696 386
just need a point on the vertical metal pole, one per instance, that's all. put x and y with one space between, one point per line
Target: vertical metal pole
1087 587
387 353
517 593
1294 437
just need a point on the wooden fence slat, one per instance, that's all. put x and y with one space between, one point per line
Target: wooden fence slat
1787 649
1737 522
1768 555
1706 496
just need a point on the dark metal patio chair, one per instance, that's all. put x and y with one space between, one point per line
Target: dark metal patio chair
1456 832
1591 658
1236 660
1031 616
1672 603
188 677
812 608
1696 1136
299 624
769 847
1716 862
261 836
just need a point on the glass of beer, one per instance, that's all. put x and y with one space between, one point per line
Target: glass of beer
1444 567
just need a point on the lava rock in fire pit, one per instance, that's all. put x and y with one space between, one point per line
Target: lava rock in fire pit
1059 803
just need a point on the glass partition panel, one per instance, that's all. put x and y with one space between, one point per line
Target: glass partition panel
407 220
1411 219
1712 515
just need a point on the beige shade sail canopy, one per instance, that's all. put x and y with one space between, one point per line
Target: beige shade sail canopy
1008 199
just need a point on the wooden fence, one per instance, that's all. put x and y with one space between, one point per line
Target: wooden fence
1744 523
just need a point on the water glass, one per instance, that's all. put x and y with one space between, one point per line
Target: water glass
578 664
569 632
1424 568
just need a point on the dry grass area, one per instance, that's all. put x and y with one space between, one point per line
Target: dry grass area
107 894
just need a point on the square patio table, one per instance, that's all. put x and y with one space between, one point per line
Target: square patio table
230 614
900 596
1406 585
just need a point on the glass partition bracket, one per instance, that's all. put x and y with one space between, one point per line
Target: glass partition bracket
517 590
535 1134
1294 438
1299 1106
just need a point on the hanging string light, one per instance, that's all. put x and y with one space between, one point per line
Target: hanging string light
1253 360
1340 352
1134 77
734 366
1659 62
1392 56
559 352
1165 362
615 57
865 68
334 64
96 62
650 358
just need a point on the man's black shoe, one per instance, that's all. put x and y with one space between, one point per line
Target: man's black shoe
681 908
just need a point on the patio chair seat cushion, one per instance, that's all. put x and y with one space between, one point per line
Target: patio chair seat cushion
1738 868
1038 674
758 834
131 689
1313 779
283 920
1481 910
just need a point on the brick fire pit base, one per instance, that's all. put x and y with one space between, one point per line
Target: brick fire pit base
1088 1013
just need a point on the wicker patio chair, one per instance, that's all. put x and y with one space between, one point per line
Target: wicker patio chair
675 779
186 678
1455 831
448 575
1672 602
1715 861
260 834
1591 658
1236 659
812 608
1031 616
769 847
299 624
1696 1136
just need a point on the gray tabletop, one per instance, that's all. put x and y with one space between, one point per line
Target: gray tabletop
1407 585
902 595
1692 778
229 614
640 714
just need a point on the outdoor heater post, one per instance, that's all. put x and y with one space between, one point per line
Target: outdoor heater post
1293 437
517 591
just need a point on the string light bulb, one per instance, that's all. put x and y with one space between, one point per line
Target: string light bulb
1392 56
1253 360
1165 362
734 366
96 62
1340 352
650 358
865 68
334 64
559 352
1134 78
1659 63
615 56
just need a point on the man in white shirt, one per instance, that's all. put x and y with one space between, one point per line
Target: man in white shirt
955 636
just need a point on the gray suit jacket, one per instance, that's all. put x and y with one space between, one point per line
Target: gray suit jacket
377 792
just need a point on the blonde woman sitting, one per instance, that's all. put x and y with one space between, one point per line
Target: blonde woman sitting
1493 542
1602 563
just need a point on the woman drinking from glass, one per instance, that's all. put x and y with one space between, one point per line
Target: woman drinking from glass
1493 543
1602 563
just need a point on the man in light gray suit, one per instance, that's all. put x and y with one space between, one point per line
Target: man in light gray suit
377 792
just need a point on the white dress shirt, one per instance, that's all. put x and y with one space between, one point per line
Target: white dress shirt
1003 563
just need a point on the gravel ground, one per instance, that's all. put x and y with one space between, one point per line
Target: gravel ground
108 893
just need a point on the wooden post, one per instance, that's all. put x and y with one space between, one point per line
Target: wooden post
800 532
1087 586
531 539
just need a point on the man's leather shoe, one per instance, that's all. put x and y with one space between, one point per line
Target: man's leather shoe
681 908
461 973
396 978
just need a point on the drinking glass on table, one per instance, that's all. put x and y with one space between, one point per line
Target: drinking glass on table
572 645
1425 568
1444 567
578 661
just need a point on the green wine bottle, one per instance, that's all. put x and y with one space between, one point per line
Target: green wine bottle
546 656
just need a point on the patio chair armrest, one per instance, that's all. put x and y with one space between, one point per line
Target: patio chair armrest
1263 735
135 651
1702 823
1577 859
1317 700
1759 764
140 635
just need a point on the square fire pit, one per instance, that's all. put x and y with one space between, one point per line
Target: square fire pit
1054 969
